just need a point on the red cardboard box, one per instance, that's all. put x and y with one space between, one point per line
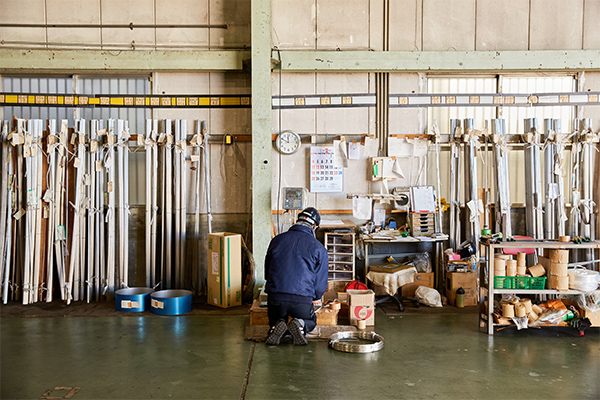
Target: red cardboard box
361 304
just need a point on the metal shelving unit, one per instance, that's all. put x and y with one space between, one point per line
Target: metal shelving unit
487 274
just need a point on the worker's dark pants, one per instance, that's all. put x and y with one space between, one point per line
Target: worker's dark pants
283 309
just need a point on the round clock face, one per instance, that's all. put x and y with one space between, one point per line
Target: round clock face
287 142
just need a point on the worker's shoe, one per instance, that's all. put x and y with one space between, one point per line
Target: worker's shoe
296 328
276 333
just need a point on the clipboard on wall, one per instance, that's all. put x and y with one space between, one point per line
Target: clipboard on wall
422 199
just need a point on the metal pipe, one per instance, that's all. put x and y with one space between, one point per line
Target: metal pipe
130 26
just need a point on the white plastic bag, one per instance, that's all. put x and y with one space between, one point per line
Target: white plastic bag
428 296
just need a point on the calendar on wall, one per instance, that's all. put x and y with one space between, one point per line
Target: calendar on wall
324 177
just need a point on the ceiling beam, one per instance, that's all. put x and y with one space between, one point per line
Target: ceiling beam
440 61
119 61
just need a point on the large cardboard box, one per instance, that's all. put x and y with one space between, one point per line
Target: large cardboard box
361 306
466 280
224 281
421 279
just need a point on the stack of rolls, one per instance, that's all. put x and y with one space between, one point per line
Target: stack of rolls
521 264
559 278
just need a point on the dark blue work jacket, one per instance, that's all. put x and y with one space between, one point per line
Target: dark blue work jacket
296 265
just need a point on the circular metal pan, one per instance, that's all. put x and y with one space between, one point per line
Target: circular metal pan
135 299
171 302
335 342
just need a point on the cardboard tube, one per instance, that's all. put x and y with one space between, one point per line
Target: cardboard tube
520 310
537 270
564 239
521 270
527 304
508 310
511 268
361 324
499 272
558 269
559 282
502 256
521 258
499 263
559 256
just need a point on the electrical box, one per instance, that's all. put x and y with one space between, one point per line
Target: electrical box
294 198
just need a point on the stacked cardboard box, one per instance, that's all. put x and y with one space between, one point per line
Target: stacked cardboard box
224 280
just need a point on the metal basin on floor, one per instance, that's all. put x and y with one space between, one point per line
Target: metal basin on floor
171 302
135 299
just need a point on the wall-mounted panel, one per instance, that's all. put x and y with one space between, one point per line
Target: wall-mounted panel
405 25
236 14
300 120
297 35
72 12
179 12
591 33
14 12
404 120
556 25
344 121
448 25
235 121
343 24
502 25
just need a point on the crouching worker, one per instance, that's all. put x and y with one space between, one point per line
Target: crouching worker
296 268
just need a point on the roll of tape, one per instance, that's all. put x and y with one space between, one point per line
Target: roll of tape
527 304
508 310
520 311
361 324
564 239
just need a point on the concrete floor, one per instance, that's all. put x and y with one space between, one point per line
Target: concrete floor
186 357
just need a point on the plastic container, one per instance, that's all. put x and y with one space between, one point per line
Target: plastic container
519 282
583 279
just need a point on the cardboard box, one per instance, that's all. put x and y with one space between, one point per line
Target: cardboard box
361 305
259 315
421 279
224 280
466 280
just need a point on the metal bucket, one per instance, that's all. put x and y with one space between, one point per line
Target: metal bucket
136 299
171 302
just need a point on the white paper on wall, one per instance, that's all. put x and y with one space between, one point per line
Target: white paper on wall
340 153
362 207
354 151
371 147
399 147
378 217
